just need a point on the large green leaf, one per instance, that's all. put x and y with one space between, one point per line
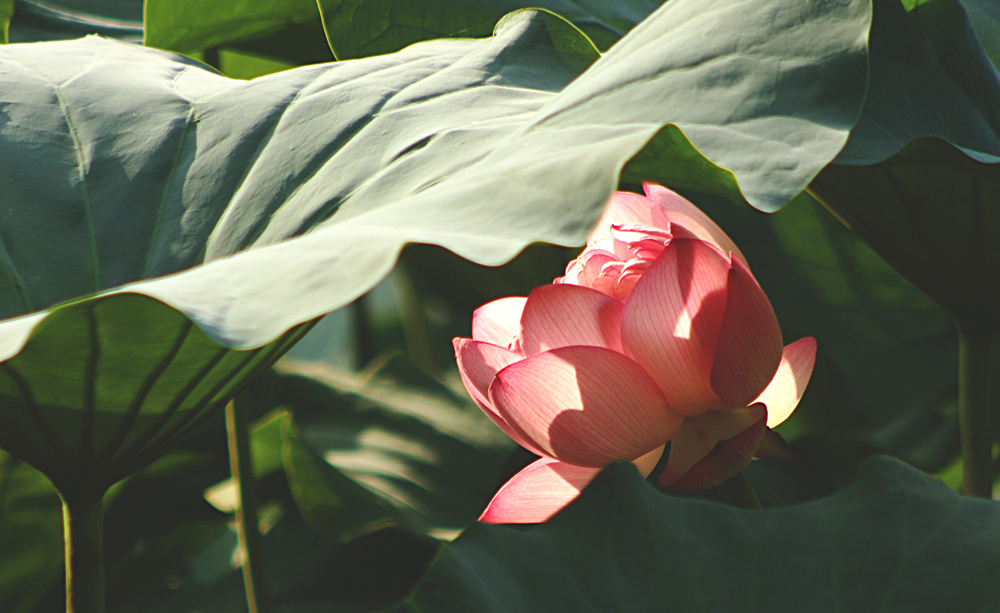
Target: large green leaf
895 540
720 139
291 30
918 178
928 76
985 18
476 145
358 28
896 206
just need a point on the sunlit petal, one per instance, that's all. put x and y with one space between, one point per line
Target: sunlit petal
498 322
785 390
584 405
478 364
538 492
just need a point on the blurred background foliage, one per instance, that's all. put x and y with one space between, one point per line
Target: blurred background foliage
368 453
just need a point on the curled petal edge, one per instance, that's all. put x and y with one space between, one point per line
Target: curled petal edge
785 390
478 364
498 322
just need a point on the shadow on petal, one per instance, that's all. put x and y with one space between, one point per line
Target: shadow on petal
588 406
672 320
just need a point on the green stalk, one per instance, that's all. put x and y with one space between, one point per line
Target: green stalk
974 409
742 492
83 534
416 328
250 542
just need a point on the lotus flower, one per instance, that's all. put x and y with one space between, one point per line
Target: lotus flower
657 333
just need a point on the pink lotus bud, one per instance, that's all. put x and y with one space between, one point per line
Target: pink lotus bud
657 333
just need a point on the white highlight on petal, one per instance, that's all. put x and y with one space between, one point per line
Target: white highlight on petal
682 329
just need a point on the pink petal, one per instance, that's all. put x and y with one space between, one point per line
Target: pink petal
627 208
498 322
712 447
671 322
633 235
478 364
584 405
566 315
782 395
749 347
538 492
593 260
681 212
545 487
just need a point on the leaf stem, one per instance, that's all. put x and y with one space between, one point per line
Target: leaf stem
742 492
974 408
241 467
83 534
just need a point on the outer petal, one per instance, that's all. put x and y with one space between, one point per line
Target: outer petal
498 322
671 322
713 447
478 364
681 212
566 315
782 395
538 492
545 487
588 406
749 347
